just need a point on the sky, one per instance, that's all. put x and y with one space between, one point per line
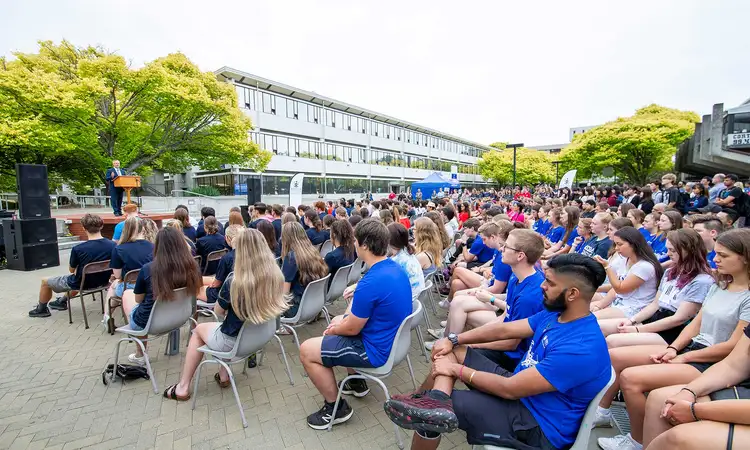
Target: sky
496 70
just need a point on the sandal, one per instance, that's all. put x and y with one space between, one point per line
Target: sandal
223 384
171 393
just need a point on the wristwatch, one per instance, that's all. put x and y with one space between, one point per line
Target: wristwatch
492 300
453 337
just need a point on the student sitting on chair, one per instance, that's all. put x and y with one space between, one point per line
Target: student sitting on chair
211 284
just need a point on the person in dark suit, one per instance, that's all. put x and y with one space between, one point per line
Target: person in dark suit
115 193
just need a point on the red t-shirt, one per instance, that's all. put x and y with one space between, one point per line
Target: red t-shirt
405 222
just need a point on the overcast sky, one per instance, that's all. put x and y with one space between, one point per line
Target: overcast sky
523 71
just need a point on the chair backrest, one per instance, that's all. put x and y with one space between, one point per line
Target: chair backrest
415 304
131 276
339 283
213 257
584 432
313 300
252 338
98 274
326 247
402 341
356 271
169 315
198 259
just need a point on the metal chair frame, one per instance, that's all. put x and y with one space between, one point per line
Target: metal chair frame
90 269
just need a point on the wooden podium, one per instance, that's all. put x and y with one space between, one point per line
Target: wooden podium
128 182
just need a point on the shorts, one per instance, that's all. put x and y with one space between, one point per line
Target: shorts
344 351
60 284
473 264
131 321
212 294
218 341
498 357
293 308
628 311
671 334
700 366
491 420
120 288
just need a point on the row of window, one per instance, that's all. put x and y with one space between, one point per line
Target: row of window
295 109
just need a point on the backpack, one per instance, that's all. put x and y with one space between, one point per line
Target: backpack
126 372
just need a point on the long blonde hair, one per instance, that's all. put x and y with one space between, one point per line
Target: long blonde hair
131 230
445 240
149 229
310 265
427 239
257 290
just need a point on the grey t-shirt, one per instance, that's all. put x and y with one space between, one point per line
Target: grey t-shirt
722 310
671 297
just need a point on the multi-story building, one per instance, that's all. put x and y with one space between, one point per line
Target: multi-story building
342 149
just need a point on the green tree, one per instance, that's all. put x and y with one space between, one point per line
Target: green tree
532 166
637 147
77 108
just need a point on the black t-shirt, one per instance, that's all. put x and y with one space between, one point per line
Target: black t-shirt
94 250
232 324
318 237
189 232
143 286
132 255
672 195
747 331
207 244
226 266
291 274
733 191
588 214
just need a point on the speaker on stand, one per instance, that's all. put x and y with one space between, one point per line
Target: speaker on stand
31 240
254 189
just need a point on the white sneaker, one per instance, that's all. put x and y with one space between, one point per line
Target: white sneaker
619 442
602 420
445 304
436 333
443 323
136 360
428 345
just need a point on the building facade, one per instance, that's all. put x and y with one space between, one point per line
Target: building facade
344 150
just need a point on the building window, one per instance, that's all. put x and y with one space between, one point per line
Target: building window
269 103
313 113
292 109
398 134
245 97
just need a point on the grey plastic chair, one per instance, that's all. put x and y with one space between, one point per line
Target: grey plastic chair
429 288
206 308
399 352
415 325
94 268
584 432
356 271
310 305
251 339
326 247
338 284
166 316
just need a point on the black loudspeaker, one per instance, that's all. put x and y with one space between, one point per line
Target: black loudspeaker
245 213
254 190
32 186
30 244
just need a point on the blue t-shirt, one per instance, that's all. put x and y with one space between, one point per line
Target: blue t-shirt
131 255
143 286
541 226
645 234
481 251
572 357
225 267
500 270
659 245
383 297
190 233
207 244
556 233
291 274
595 246
318 237
201 231
87 252
572 237
231 324
337 259
524 299
277 228
118 231
710 258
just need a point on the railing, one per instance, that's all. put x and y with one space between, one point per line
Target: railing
191 193
9 200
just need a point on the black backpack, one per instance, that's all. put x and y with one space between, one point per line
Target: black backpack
125 372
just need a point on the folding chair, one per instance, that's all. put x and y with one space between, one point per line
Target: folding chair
213 257
584 432
399 352
326 247
415 326
356 271
251 339
166 316
116 302
94 270
338 284
310 305
198 259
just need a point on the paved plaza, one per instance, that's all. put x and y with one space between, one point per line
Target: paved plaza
52 396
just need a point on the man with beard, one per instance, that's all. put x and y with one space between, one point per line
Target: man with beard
539 405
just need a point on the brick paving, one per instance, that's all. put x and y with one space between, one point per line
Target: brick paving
52 396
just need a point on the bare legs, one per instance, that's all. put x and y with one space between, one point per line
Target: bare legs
625 357
193 357
128 305
462 307
322 377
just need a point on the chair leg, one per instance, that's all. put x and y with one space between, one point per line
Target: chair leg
150 371
296 341
101 297
115 358
70 309
327 315
382 385
283 355
83 309
338 397
197 377
420 339
234 390
411 372
426 317
432 304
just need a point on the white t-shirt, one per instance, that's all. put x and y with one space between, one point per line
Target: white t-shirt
637 299
722 310
694 292
451 227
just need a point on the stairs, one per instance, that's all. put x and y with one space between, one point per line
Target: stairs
67 242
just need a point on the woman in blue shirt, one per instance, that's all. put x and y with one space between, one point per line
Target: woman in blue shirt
252 293
668 221
133 252
182 216
344 253
699 200
268 230
556 229
301 265
211 242
315 231
568 222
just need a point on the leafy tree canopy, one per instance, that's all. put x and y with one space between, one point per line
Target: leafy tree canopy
532 166
77 108
637 147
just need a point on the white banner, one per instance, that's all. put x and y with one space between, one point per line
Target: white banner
295 190
567 179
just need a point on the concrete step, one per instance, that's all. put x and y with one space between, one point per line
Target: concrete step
67 242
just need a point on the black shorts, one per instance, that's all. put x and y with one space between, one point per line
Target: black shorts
212 294
701 366
473 264
490 420
671 334
498 357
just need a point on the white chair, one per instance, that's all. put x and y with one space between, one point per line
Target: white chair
310 305
326 248
166 316
251 339
399 352
415 326
356 271
338 284
429 287
584 432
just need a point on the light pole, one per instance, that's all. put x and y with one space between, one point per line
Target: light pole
557 171
514 147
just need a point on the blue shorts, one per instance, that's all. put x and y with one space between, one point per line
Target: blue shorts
131 321
121 288
344 351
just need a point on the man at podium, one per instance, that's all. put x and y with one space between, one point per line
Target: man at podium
115 193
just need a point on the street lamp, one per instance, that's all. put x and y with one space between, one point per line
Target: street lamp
514 147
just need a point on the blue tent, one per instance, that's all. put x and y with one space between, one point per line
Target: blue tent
430 185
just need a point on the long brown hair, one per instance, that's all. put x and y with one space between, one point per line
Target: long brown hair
269 234
342 233
182 215
173 266
314 219
736 241
310 265
131 230
427 239
675 219
440 224
692 250
573 214
643 251
235 218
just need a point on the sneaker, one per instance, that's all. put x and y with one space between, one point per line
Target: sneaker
437 333
444 290
602 420
445 304
59 304
619 442
141 361
422 411
40 310
443 323
321 419
355 387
